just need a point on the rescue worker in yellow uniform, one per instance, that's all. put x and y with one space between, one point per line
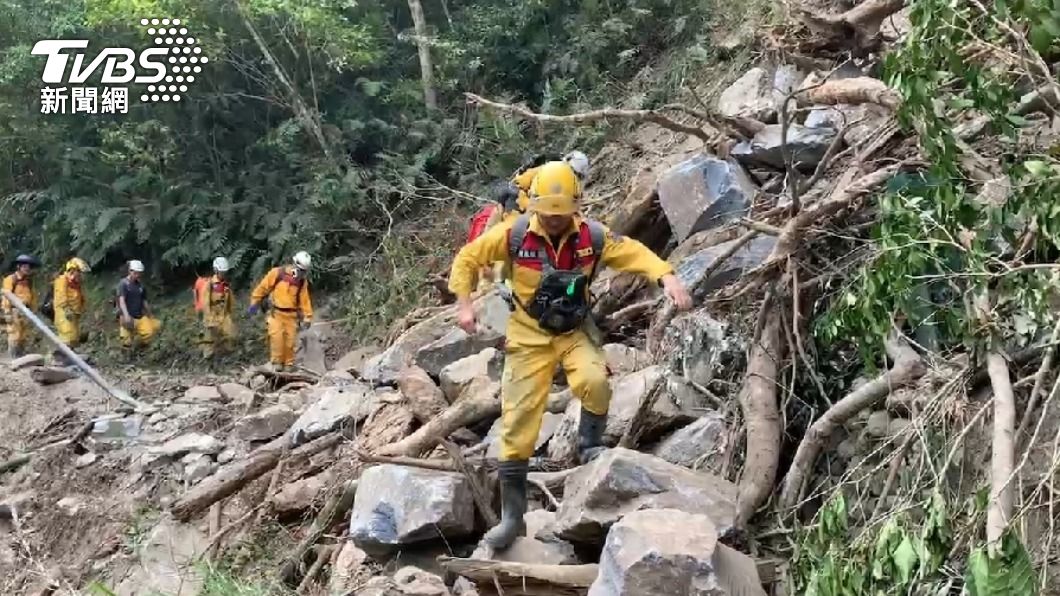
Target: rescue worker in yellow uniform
137 325
68 302
553 254
287 289
514 197
215 302
19 283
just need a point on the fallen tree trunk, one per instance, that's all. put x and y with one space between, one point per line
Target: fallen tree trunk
234 476
524 579
1003 454
858 27
463 413
758 401
907 368
855 90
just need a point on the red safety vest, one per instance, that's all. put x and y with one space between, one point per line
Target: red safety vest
480 220
573 255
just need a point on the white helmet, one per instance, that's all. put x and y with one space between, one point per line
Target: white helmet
220 265
302 260
579 162
136 266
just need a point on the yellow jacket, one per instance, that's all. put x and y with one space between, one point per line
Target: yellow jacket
67 297
285 295
622 254
218 299
23 288
522 182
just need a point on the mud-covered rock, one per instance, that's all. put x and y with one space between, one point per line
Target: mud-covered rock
623 359
621 481
300 495
198 468
202 394
240 396
693 269
704 192
750 96
267 424
453 346
660 552
878 424
455 376
413 581
533 551
188 443
806 146
398 506
864 120
698 446
628 391
347 570
335 407
422 396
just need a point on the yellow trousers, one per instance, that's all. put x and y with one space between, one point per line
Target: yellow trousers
218 335
68 326
527 380
17 331
143 330
283 337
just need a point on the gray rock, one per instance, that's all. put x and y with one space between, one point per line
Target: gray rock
747 257
189 443
199 469
622 481
549 423
751 96
116 428
699 446
398 506
623 359
898 426
662 552
533 551
52 375
348 566
564 444
202 394
353 360
806 145
454 377
385 367
167 562
300 495
413 581
237 395
379 586
85 459
226 456
538 520
704 192
786 79
335 407
269 423
626 395
869 117
26 361
71 506
846 449
878 424
451 347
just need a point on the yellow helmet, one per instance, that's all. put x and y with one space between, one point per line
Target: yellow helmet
555 190
77 264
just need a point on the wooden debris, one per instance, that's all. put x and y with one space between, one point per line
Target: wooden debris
520 579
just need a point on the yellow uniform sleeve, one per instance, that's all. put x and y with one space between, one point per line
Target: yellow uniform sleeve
9 286
523 180
482 252
630 256
305 303
265 286
60 297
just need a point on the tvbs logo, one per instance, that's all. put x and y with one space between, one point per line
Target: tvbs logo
167 68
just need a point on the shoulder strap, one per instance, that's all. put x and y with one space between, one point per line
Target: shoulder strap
597 232
517 235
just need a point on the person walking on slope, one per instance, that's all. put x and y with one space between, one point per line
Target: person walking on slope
214 302
19 283
553 255
68 304
137 325
511 199
287 289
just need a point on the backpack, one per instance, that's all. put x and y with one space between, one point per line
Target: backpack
480 222
282 275
47 306
522 225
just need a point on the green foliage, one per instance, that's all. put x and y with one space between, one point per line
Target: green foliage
1001 573
221 581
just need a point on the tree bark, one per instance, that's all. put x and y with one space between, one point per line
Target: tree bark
234 476
1004 452
462 413
758 401
907 368
522 578
430 99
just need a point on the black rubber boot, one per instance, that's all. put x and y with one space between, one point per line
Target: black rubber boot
591 436
512 475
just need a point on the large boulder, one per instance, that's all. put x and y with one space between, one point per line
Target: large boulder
389 424
806 146
333 408
354 359
702 346
423 397
750 96
622 359
621 481
628 392
662 552
456 375
698 446
269 423
869 117
397 506
453 346
704 192
166 562
630 216
692 270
